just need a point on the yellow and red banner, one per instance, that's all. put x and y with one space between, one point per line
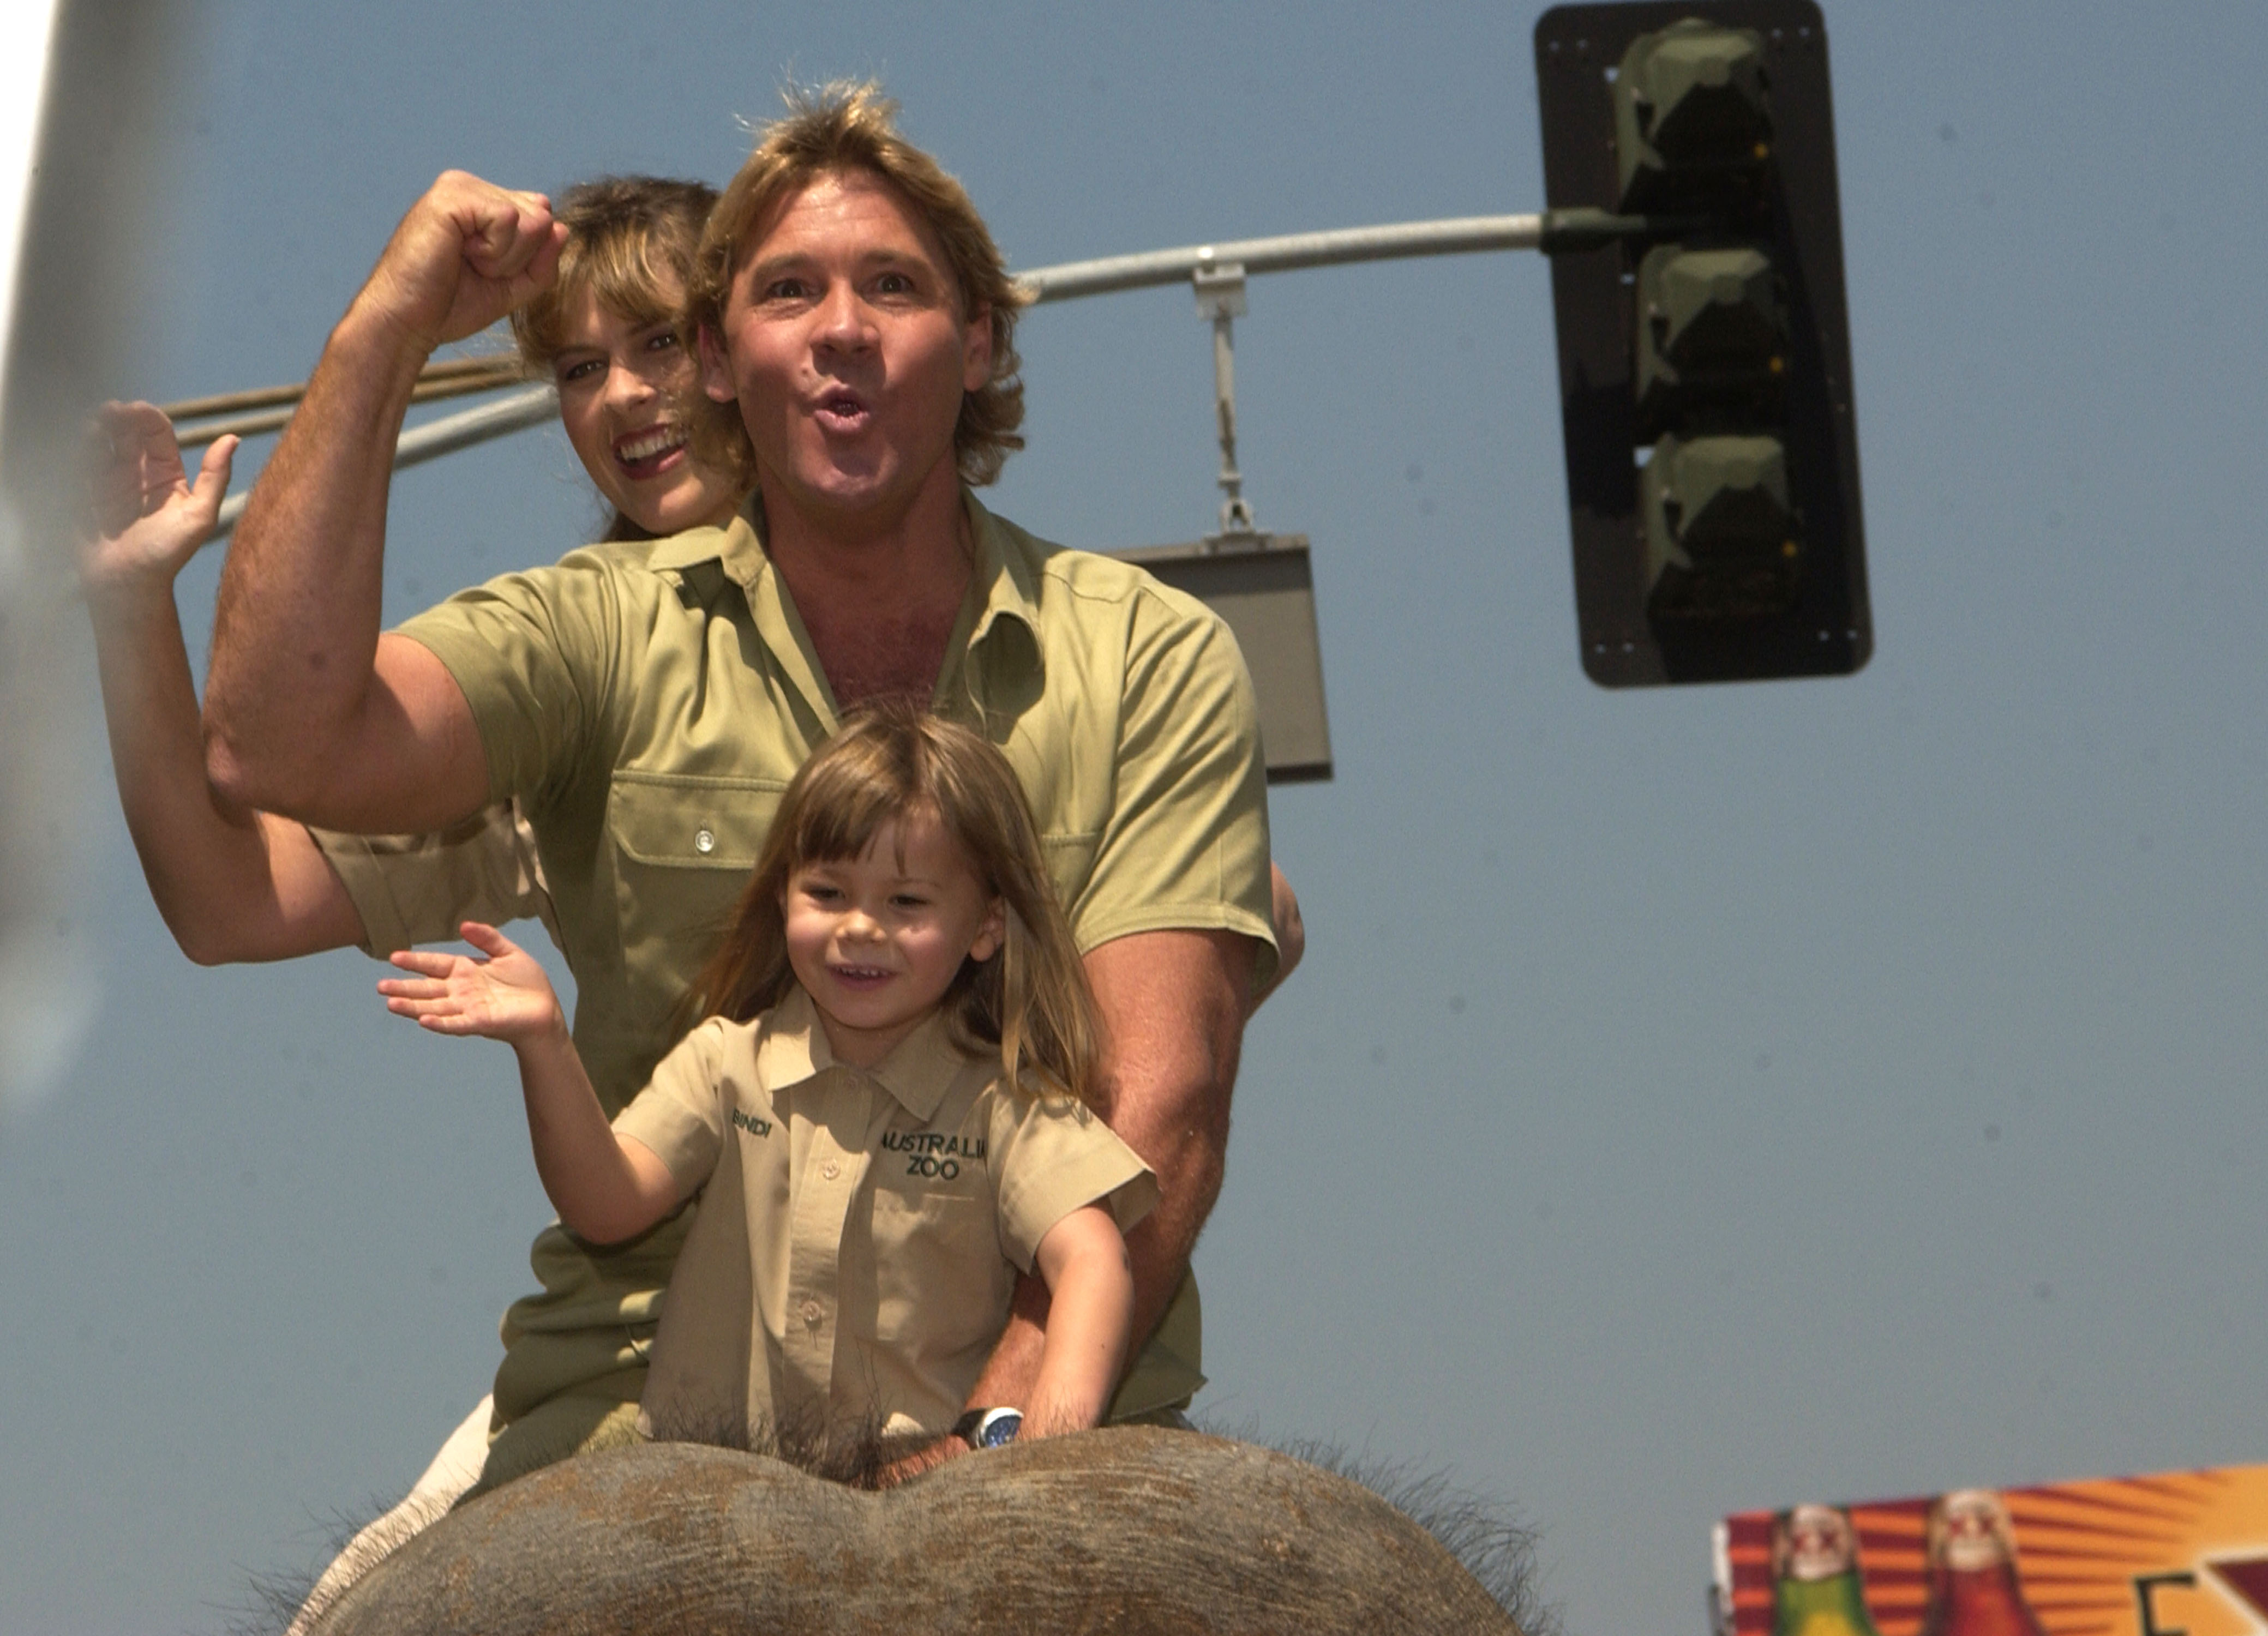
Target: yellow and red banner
2182 1554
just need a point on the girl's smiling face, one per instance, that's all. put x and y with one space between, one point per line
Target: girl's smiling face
877 940
620 382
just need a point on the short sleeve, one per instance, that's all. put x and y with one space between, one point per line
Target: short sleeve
1186 846
1050 1156
419 888
534 654
680 1112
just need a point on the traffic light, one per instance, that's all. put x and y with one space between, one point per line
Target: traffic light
1704 367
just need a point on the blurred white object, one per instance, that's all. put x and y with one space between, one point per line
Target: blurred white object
84 88
24 37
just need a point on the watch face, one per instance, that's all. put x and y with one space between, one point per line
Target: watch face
998 1428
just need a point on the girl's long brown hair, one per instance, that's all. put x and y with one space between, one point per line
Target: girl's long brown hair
1030 1000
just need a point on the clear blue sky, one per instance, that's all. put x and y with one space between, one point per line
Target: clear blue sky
1693 1100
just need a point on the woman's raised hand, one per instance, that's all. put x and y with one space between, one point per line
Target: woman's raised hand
502 996
146 515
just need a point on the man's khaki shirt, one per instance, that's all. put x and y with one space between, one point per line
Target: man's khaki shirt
860 1231
646 704
415 889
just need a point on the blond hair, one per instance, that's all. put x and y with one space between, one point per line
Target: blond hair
630 242
849 126
890 762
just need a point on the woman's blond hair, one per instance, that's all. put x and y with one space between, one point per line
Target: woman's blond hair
630 244
890 762
844 127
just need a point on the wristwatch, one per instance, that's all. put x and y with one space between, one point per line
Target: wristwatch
989 1429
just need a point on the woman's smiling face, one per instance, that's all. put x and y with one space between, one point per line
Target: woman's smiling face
620 382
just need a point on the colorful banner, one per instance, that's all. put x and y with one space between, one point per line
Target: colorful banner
2183 1554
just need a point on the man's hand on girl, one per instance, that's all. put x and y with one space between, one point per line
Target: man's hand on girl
502 996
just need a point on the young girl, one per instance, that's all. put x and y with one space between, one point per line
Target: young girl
882 1112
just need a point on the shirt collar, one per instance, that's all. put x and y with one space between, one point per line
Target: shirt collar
1004 579
737 544
1003 583
918 1072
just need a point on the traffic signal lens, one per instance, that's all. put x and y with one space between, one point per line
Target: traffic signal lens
1691 104
1712 338
1721 538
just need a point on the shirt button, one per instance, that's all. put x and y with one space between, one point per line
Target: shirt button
811 1315
830 1169
704 841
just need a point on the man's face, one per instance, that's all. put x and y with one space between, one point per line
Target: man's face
847 350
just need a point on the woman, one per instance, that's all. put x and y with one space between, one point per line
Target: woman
239 885
234 884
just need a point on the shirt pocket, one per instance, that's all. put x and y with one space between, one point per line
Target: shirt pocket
684 847
941 1284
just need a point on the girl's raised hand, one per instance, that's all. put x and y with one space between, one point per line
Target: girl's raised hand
504 996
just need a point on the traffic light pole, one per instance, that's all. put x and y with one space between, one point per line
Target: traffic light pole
1460 235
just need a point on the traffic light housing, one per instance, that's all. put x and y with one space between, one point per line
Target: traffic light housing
1705 368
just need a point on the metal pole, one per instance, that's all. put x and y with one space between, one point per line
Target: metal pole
501 364
1235 514
254 422
530 406
1220 298
1456 236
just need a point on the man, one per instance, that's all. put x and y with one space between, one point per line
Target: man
646 702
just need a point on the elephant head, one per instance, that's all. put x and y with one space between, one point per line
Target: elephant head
1131 1530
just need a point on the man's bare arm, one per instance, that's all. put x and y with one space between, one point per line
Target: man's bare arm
1174 1005
308 710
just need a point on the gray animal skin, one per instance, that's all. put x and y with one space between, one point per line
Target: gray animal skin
1128 1530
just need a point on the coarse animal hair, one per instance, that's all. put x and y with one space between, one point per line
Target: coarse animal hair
630 244
1475 1528
853 1451
891 762
277 1601
848 127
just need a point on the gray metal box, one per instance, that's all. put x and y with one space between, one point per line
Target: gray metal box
1262 585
